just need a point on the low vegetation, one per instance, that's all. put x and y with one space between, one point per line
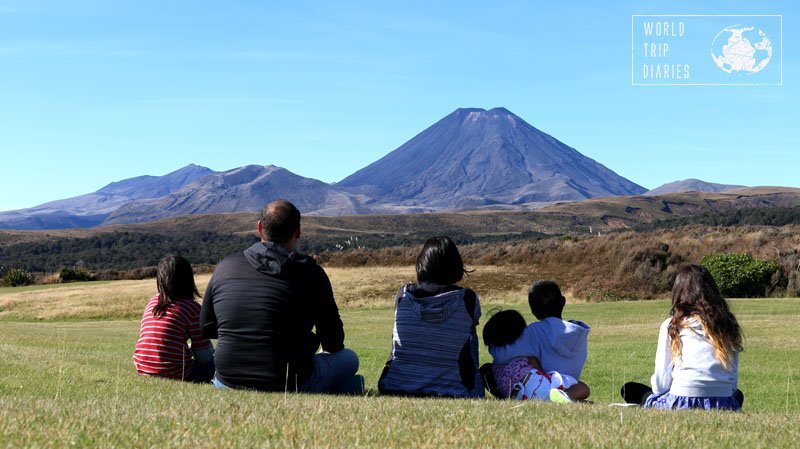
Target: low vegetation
618 266
16 277
76 274
742 275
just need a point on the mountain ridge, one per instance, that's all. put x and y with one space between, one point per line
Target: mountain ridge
471 159
243 189
91 209
692 185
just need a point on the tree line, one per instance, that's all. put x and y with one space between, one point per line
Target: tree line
755 216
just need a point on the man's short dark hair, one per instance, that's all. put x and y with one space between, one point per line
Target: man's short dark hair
546 300
279 221
439 262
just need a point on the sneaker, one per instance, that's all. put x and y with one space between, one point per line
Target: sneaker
559 396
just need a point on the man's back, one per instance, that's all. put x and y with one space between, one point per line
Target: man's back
262 305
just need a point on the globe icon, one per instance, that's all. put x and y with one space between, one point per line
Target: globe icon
741 49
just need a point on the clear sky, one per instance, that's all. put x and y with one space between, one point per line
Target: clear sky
98 91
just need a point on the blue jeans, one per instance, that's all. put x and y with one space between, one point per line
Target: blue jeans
333 373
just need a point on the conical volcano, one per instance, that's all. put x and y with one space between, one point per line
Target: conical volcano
475 157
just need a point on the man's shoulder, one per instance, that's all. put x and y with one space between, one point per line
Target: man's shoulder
233 263
236 257
307 265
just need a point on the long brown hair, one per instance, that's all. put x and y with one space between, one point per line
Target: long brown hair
696 295
175 280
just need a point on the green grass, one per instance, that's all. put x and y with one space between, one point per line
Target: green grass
71 384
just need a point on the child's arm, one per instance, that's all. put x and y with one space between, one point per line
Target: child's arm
202 349
661 380
204 355
525 346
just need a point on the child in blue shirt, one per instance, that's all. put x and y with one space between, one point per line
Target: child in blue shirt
558 345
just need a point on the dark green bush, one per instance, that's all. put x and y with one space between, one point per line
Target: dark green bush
741 275
16 277
78 274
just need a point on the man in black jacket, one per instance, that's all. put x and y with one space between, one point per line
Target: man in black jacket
262 304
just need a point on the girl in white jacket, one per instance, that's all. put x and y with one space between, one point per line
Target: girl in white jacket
697 358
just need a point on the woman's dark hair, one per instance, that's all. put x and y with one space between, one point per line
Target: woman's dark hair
175 281
503 328
439 262
696 295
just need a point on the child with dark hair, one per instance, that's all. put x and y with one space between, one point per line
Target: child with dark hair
523 377
697 358
170 319
434 342
557 344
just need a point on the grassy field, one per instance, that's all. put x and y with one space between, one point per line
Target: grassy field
66 380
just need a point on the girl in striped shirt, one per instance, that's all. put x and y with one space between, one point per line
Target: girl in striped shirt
170 319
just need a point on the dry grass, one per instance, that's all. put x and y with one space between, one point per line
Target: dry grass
353 287
81 300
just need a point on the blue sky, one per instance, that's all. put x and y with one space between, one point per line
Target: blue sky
97 91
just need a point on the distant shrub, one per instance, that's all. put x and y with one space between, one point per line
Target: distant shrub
741 275
78 274
16 277
49 279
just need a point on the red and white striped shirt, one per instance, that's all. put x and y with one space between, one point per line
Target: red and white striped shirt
162 349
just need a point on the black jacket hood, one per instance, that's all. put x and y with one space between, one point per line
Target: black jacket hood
271 258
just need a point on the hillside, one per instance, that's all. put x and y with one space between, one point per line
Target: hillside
380 239
474 157
603 214
692 185
625 212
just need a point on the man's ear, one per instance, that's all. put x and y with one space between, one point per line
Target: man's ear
297 233
260 228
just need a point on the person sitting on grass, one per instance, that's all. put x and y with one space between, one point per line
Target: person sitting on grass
170 319
435 342
271 309
697 357
523 377
557 344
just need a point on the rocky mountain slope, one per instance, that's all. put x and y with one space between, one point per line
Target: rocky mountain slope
474 157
